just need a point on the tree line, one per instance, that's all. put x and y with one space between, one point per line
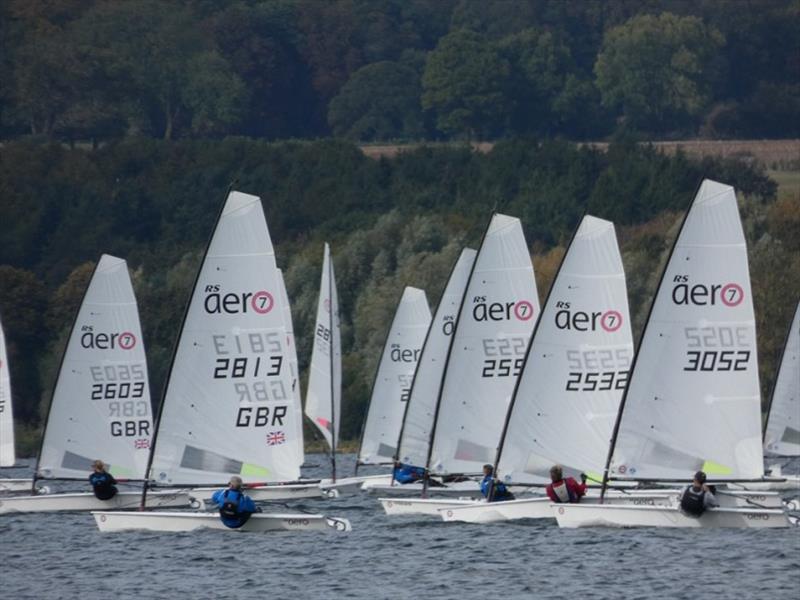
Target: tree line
391 223
80 70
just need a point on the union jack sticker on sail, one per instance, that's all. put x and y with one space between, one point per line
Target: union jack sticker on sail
141 443
275 438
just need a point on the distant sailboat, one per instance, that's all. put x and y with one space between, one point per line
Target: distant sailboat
393 377
100 408
228 406
8 457
693 401
324 394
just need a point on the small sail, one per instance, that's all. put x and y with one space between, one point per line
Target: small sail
7 455
291 352
577 367
494 326
324 395
101 402
782 435
228 407
693 401
393 379
416 433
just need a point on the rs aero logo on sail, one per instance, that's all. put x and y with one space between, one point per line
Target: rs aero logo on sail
93 340
579 320
482 310
685 293
235 303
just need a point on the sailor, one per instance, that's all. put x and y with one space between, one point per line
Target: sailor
407 473
565 490
493 490
235 507
103 482
696 498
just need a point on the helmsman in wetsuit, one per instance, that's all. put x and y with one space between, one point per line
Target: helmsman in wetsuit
500 491
103 483
407 473
565 490
696 498
235 507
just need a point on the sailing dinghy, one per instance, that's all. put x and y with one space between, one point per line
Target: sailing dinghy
485 354
100 408
693 400
228 407
393 377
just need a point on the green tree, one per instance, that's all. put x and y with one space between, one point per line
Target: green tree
464 83
657 69
379 102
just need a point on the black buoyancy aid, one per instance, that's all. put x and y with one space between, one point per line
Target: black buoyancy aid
230 508
692 502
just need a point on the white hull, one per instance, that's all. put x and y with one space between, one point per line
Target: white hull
458 490
610 515
354 484
421 506
15 485
192 521
86 501
789 483
292 491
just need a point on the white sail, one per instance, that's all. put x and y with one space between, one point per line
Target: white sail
693 401
494 325
7 455
291 352
228 408
393 379
430 368
324 394
577 366
101 402
782 436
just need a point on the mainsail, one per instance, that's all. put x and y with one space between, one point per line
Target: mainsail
494 325
693 400
393 379
228 407
100 407
416 430
577 365
782 435
7 455
324 394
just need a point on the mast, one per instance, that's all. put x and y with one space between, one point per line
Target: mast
525 360
618 420
58 376
432 436
330 355
143 500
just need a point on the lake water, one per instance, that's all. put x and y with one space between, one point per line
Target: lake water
64 556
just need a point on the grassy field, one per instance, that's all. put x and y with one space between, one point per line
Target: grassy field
788 183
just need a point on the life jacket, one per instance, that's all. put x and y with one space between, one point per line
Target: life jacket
563 492
230 508
102 486
692 502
